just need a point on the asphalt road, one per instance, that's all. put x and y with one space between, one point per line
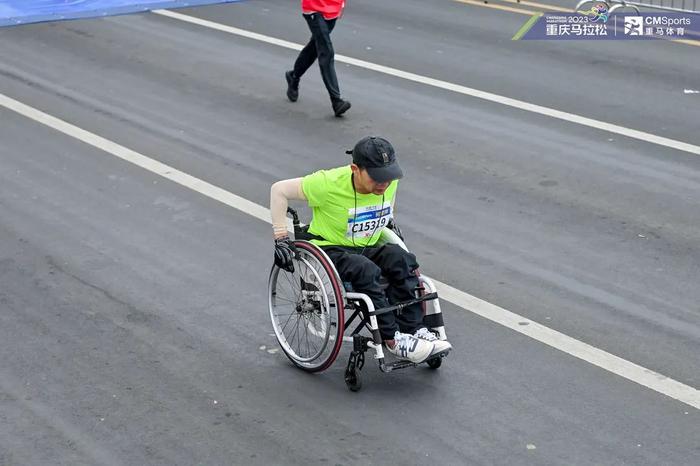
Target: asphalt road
133 315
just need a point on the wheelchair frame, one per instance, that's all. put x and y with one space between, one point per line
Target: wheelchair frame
317 313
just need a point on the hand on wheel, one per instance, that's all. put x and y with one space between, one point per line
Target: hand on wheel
285 253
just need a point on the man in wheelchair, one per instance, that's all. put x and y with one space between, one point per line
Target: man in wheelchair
351 206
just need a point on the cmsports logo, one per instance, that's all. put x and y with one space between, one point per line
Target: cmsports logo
634 25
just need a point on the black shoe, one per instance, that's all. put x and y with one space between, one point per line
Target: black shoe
292 86
341 106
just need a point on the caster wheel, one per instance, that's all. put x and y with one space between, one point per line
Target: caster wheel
435 363
353 381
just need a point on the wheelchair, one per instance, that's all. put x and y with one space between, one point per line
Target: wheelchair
313 312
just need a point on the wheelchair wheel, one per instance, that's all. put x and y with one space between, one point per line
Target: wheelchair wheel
353 381
434 363
307 309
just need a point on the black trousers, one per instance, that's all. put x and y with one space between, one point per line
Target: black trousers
362 267
321 47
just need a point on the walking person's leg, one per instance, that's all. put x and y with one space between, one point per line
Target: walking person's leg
323 46
321 33
306 58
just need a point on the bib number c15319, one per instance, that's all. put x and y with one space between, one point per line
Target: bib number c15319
366 221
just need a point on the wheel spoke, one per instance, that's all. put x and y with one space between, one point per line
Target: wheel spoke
287 300
305 311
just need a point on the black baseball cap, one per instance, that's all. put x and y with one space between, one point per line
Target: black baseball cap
376 155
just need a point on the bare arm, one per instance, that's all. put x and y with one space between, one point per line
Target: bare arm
280 195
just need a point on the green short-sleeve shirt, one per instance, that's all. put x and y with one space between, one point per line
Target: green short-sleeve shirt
340 215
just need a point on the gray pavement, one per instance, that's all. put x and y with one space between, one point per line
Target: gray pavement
133 319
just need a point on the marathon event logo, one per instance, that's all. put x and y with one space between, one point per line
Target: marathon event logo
597 12
597 23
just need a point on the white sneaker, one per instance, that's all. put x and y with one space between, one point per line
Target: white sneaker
410 348
441 346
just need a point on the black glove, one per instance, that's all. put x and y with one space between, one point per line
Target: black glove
284 254
395 228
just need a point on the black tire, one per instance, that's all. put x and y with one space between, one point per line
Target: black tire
307 309
435 362
353 380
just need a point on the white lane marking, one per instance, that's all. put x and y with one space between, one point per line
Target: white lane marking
546 335
135 158
572 346
519 104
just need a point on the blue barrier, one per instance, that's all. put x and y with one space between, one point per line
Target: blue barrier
16 12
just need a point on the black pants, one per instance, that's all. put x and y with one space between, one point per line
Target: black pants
321 47
363 268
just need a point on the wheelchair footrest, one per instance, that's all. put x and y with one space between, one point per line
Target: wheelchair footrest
392 366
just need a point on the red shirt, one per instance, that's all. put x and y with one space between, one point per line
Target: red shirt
330 9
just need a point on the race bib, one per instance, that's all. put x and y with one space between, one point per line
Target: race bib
365 222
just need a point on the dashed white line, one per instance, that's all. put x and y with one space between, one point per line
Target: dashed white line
541 333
